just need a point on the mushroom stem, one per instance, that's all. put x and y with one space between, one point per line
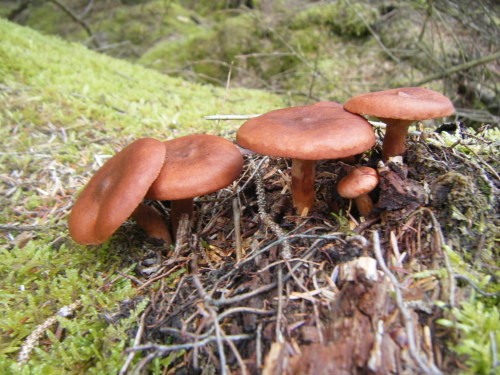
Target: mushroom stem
152 223
303 172
364 204
395 136
177 209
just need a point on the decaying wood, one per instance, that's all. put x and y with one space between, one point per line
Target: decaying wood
364 329
397 191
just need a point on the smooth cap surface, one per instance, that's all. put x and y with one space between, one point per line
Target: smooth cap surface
320 131
405 103
360 181
196 165
115 190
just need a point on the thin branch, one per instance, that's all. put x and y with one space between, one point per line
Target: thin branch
34 337
17 11
78 20
286 251
404 313
137 340
241 363
457 68
163 349
475 287
279 317
23 228
238 240
213 314
230 117
376 37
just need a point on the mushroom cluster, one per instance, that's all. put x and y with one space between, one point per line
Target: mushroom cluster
176 170
306 134
180 169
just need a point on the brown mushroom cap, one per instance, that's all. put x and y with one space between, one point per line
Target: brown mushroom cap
320 131
114 191
405 103
360 181
196 165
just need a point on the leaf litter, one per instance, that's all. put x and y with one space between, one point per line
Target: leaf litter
353 295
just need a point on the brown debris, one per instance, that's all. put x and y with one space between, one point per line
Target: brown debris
328 309
397 191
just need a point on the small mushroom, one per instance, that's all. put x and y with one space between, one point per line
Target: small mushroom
150 220
356 185
194 165
398 108
115 191
306 134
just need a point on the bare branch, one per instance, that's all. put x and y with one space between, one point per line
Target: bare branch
404 312
78 20
457 68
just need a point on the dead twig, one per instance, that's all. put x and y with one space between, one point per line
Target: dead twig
25 228
237 229
137 340
230 117
458 68
279 317
432 369
475 287
213 314
160 350
261 202
34 337
78 20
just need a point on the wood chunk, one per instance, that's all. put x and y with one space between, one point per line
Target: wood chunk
397 191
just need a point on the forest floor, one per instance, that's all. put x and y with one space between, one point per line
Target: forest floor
374 295
411 289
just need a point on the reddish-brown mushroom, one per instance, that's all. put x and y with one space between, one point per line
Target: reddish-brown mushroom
398 108
356 185
115 191
306 134
150 220
194 165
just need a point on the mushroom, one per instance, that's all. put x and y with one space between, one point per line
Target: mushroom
150 220
115 191
356 185
398 108
306 134
194 165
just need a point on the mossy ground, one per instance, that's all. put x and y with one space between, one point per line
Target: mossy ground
63 111
305 50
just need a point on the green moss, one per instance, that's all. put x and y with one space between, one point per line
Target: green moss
63 111
45 17
113 92
142 25
347 18
209 51
38 279
478 326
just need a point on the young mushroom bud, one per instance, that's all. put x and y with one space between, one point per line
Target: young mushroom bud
356 185
152 223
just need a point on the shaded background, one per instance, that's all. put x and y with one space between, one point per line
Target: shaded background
304 50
